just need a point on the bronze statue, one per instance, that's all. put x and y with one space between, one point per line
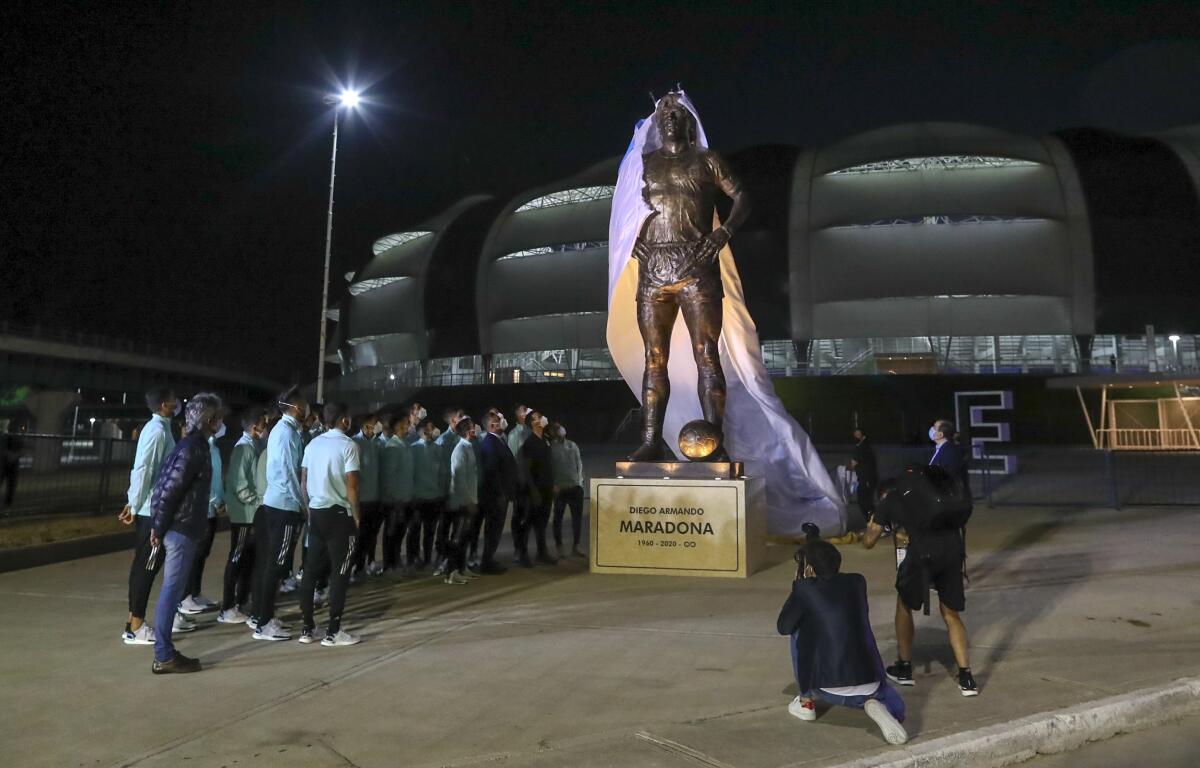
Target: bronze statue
678 254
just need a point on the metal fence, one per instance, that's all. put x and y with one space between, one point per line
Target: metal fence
1058 475
1083 476
70 475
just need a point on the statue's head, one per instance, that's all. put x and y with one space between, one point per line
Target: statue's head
674 120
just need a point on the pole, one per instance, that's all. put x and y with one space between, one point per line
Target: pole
328 248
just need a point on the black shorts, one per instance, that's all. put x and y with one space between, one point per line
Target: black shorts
941 558
672 272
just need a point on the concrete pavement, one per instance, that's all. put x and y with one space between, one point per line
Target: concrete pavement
556 667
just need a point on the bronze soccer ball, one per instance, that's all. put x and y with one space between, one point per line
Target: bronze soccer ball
699 440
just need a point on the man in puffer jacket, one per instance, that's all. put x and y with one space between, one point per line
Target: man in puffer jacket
179 511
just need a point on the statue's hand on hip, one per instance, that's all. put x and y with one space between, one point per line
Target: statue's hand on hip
711 245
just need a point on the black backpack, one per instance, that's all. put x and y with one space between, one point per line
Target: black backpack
931 499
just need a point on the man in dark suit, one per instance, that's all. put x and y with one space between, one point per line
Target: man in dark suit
498 484
948 453
537 463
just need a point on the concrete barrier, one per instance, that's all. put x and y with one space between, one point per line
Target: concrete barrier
1046 732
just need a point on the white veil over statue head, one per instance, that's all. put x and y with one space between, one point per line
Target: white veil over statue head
758 429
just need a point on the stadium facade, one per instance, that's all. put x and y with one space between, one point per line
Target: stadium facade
917 248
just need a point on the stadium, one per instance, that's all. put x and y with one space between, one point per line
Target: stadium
898 265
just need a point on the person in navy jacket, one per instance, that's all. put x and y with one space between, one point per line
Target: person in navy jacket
834 655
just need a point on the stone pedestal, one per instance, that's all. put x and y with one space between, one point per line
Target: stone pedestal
678 527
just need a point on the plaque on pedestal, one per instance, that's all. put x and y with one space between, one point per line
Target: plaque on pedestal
678 526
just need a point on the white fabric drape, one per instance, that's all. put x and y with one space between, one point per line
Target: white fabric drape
758 430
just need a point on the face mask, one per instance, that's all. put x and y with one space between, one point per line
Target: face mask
220 433
562 433
178 408
503 423
421 414
542 422
933 433
303 411
436 432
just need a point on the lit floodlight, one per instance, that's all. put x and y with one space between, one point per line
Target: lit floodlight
1173 338
349 99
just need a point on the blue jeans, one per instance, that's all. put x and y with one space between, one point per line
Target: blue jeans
177 569
884 693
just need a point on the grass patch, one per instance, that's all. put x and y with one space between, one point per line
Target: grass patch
17 534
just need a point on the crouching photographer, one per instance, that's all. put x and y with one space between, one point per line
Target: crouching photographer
834 656
930 507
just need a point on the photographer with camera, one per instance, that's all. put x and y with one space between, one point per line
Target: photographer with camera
932 505
834 655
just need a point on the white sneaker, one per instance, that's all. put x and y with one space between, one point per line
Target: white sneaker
143 636
206 602
183 624
441 569
803 710
454 577
271 631
191 606
251 622
310 636
341 638
374 569
232 616
469 575
290 584
893 732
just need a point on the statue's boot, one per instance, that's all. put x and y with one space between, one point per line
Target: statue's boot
651 448
648 452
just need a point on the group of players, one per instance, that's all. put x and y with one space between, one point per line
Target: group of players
332 483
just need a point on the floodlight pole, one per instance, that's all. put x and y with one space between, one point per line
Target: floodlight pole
328 248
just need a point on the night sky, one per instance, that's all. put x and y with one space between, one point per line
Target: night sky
166 166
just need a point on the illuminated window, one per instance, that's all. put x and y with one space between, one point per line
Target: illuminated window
363 286
374 337
568 197
935 163
400 238
559 314
560 248
943 220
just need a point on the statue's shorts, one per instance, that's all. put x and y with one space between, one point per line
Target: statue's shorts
675 272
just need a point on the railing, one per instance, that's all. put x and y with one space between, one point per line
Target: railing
66 475
823 357
1075 476
1120 439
